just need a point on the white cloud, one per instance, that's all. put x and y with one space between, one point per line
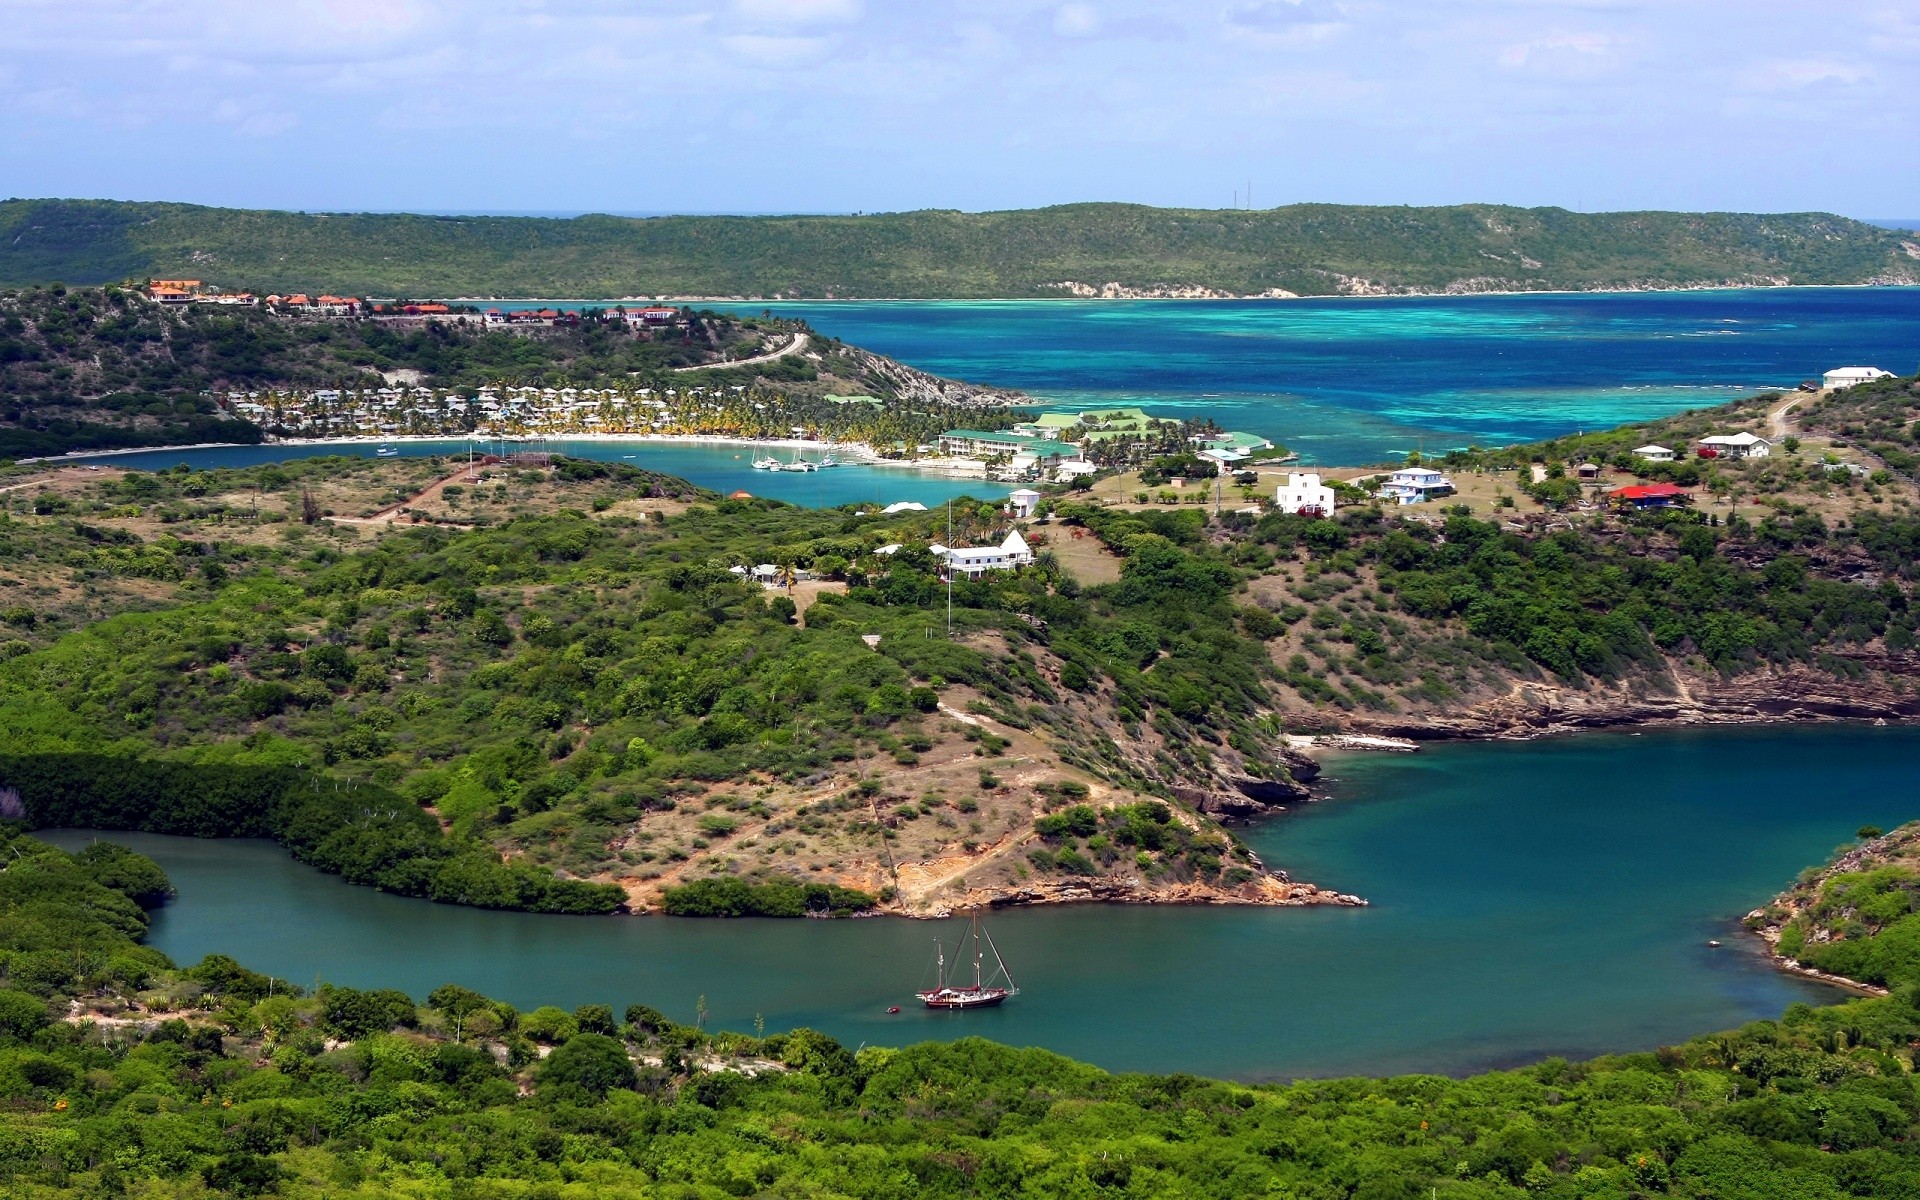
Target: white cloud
1076 20
798 12
1806 72
1590 45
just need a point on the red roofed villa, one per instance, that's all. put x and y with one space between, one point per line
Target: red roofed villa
1650 495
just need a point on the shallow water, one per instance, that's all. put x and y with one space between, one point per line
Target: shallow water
1346 381
1528 899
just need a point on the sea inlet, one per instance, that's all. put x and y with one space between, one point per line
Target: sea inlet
1528 899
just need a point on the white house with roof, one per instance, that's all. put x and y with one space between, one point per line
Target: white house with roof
1736 445
1022 503
1304 495
1653 453
975 561
1846 377
1416 485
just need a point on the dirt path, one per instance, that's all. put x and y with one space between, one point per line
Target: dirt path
793 346
1777 423
391 513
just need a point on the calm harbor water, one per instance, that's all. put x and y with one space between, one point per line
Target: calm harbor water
1528 899
722 468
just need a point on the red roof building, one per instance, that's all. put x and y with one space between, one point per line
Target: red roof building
1650 495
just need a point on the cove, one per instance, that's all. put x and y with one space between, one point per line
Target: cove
1529 899
723 468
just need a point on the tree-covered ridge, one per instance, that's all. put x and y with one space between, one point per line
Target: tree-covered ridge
611 699
127 1075
104 368
1308 249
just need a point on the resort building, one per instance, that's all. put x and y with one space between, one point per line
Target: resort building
1734 445
1242 443
985 443
1846 377
1653 453
1023 502
1074 468
1304 495
975 561
1416 485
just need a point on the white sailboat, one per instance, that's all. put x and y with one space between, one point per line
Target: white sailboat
987 988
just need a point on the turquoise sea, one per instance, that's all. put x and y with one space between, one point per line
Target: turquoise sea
1352 381
1553 897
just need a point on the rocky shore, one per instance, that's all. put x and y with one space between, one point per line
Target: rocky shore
1791 693
1901 848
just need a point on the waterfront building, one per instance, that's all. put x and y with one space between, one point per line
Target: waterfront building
984 443
1304 495
1023 502
1846 377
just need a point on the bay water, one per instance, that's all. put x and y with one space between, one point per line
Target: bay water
1340 381
1528 899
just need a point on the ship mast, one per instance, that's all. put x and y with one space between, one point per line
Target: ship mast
976 951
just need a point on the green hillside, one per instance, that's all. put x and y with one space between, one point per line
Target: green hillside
1309 249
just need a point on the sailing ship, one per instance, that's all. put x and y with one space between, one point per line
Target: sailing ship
769 463
986 990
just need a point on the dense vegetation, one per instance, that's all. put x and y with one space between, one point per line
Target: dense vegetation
1310 249
607 697
1857 918
104 368
125 1075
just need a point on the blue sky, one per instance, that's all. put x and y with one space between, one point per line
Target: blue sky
865 105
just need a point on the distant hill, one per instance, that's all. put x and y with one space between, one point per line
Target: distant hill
1086 249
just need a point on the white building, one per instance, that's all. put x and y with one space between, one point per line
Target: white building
1415 485
1223 459
975 561
1653 453
1846 377
1305 495
1022 503
1737 445
1074 470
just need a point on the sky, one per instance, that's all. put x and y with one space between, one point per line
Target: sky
869 105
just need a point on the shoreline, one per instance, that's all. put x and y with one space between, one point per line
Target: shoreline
861 454
1069 298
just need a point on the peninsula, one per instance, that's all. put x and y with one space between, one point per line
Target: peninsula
1111 250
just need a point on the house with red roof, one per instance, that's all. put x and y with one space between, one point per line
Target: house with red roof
1649 495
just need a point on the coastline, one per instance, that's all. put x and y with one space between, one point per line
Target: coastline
1415 294
859 453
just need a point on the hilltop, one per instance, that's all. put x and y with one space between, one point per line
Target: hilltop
1070 250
